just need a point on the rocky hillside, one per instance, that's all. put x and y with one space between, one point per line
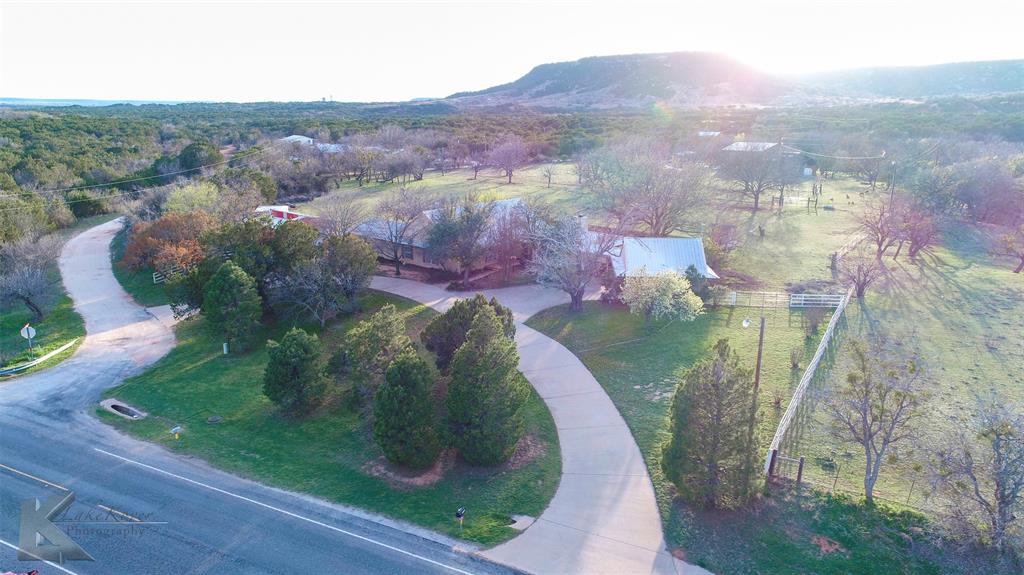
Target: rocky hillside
696 79
684 79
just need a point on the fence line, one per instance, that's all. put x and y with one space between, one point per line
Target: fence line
778 299
805 380
171 272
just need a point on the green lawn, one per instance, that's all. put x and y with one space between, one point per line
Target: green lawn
778 534
326 454
138 283
489 184
964 310
798 241
60 324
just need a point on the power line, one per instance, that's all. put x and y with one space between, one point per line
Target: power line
130 180
788 147
122 194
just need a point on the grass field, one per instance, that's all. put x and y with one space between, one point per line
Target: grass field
327 454
138 283
528 182
964 311
60 324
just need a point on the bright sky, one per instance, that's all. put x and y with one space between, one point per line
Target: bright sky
397 50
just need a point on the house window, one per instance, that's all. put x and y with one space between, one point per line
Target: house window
406 252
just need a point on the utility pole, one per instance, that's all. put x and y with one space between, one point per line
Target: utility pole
892 185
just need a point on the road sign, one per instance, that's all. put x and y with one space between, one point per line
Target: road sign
28 332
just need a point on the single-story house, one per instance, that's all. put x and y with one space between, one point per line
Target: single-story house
751 147
324 147
654 255
415 249
280 214
297 139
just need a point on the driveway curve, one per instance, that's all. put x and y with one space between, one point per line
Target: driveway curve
603 517
202 520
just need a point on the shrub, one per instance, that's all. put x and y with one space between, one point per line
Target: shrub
404 421
446 332
85 204
294 378
665 295
486 393
231 304
814 317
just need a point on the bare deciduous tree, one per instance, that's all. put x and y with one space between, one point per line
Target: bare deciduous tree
24 267
1011 244
881 224
980 472
570 257
548 172
509 155
861 271
392 229
876 404
753 171
339 214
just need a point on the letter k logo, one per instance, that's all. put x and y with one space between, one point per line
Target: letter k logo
39 538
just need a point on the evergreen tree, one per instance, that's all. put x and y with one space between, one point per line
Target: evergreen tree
486 393
710 453
232 305
446 332
373 343
294 378
404 423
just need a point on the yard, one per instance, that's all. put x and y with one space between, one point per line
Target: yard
962 308
60 324
332 453
489 184
965 312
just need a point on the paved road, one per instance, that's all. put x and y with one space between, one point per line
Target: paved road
603 517
198 520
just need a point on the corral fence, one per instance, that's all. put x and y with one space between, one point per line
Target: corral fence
160 277
778 299
777 463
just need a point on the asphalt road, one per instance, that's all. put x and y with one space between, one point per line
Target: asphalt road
141 509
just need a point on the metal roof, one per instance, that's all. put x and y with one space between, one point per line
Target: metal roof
750 146
295 138
658 254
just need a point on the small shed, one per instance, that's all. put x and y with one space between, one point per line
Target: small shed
655 255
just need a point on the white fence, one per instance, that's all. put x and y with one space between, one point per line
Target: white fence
169 273
798 394
778 299
815 300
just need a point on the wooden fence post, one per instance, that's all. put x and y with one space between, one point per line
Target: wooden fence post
800 471
771 463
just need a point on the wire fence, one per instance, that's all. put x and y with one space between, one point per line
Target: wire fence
796 414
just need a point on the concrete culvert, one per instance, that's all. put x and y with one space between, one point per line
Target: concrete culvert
123 409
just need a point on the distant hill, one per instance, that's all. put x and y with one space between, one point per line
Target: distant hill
682 79
695 79
915 82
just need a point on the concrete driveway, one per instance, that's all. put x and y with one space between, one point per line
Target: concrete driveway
141 509
603 517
